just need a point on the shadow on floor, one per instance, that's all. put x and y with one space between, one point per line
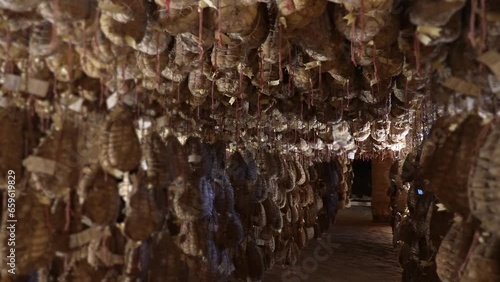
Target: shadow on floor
355 250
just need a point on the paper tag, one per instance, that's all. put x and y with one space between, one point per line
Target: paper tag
494 83
462 86
129 99
207 3
431 31
245 70
144 123
77 105
425 33
260 242
312 64
110 259
131 41
350 18
194 158
32 86
37 164
232 100
38 87
225 39
426 40
82 238
440 207
274 82
492 60
112 101
283 22
161 121
350 155
470 102
12 82
4 102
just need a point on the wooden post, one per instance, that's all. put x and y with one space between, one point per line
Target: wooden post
381 182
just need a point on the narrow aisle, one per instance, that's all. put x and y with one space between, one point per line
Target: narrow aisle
355 250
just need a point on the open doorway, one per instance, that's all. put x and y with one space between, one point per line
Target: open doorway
362 181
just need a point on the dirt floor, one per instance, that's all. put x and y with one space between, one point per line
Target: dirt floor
355 250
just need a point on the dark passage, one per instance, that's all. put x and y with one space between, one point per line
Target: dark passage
361 186
355 250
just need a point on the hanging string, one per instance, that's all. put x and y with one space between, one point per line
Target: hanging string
472 23
215 50
178 92
200 33
405 98
241 82
371 89
310 93
158 69
136 103
54 88
54 39
261 66
353 33
236 115
290 77
84 43
32 106
212 95
258 105
97 38
118 82
348 94
416 49
279 53
362 25
9 66
483 26
301 109
341 108
68 213
320 82
218 22
70 62
389 103
167 5
375 69
101 94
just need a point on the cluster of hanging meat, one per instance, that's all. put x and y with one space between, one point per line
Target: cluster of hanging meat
342 75
452 195
108 199
284 202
